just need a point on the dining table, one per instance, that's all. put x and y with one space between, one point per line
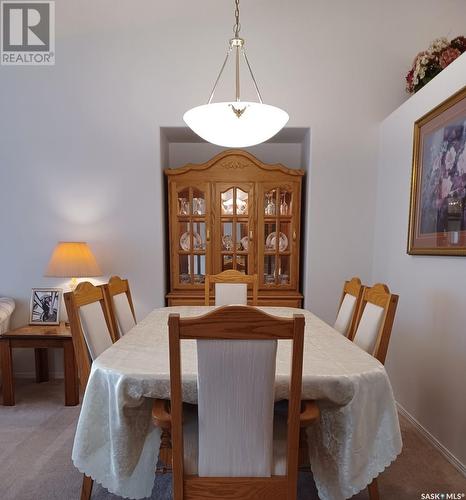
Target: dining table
356 438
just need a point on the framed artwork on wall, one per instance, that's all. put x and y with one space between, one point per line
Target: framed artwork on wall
45 306
437 221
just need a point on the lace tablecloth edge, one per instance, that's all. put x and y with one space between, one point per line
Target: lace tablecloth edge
105 484
364 483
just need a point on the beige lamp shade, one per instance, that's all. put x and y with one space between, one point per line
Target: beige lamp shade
72 259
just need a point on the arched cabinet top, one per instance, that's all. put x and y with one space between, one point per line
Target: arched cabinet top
235 162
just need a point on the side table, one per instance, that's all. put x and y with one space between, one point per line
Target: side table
40 338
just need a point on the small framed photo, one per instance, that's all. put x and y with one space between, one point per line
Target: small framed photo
437 222
45 306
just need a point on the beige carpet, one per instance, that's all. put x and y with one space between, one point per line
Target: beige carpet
36 438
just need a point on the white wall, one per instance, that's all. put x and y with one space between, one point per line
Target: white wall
426 359
80 142
290 154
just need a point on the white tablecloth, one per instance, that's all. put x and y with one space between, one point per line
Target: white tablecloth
358 435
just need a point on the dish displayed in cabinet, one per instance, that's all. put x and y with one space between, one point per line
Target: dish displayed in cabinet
271 242
227 242
185 241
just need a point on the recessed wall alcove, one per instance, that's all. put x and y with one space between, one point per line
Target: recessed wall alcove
291 147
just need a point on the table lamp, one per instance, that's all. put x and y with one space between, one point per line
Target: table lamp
71 259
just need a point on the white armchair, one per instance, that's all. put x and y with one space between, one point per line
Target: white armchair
7 306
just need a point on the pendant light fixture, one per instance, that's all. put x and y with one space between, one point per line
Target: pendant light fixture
237 123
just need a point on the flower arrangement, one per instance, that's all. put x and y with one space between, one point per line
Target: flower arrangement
431 62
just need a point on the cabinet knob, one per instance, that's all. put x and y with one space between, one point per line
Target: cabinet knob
207 234
250 235
294 235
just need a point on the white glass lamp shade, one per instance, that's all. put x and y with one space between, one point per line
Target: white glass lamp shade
218 123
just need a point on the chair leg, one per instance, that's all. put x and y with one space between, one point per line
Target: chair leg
373 490
303 460
165 454
86 489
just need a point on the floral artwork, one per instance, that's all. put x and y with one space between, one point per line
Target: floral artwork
444 178
438 198
431 62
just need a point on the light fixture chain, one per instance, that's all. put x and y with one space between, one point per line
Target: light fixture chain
219 76
237 26
252 76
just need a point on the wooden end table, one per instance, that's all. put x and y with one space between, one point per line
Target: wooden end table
40 338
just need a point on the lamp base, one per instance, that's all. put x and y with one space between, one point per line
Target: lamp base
73 284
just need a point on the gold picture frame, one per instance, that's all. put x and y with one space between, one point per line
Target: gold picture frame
437 215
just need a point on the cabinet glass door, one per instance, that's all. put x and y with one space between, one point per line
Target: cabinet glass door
233 232
278 234
191 236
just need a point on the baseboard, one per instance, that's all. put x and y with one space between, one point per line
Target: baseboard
33 375
433 441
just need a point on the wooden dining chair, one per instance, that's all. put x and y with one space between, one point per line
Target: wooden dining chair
348 308
375 320
117 294
92 333
231 287
232 447
373 328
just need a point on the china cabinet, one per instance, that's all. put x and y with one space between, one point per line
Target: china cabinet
234 212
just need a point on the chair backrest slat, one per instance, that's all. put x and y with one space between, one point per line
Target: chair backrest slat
235 294
231 293
95 329
235 407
